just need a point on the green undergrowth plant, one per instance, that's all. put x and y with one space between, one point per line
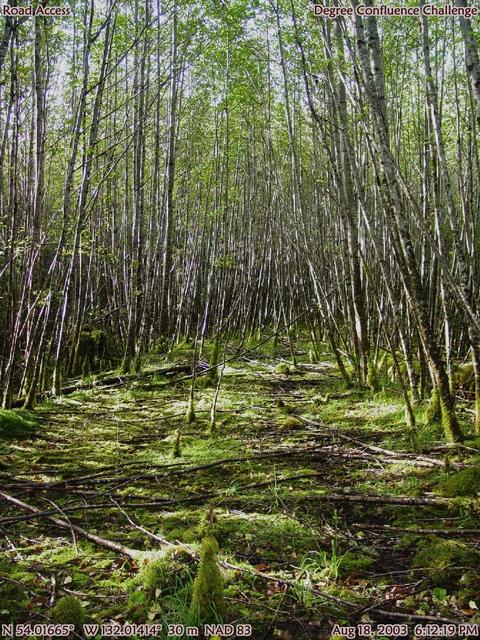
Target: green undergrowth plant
356 561
182 351
321 565
464 376
352 562
425 436
284 408
213 424
285 369
13 594
374 382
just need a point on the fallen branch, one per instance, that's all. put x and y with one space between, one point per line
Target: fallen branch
63 524
436 532
378 499
386 452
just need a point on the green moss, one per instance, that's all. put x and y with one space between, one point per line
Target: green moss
163 576
190 415
434 410
16 423
441 556
286 408
473 443
462 483
354 563
282 369
13 595
265 533
290 423
464 376
208 598
69 610
373 379
469 584
153 575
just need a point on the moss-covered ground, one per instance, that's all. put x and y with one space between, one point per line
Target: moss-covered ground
285 437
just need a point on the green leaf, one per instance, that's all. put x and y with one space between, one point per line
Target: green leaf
439 593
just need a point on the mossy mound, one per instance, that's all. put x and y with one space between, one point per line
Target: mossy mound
282 369
462 483
290 423
153 574
265 533
355 563
69 610
164 583
14 596
319 400
473 443
16 423
165 575
442 556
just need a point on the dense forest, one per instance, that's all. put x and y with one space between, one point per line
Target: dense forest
239 318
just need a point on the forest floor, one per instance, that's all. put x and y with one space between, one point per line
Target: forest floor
327 509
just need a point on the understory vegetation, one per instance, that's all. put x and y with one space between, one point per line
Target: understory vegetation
311 503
